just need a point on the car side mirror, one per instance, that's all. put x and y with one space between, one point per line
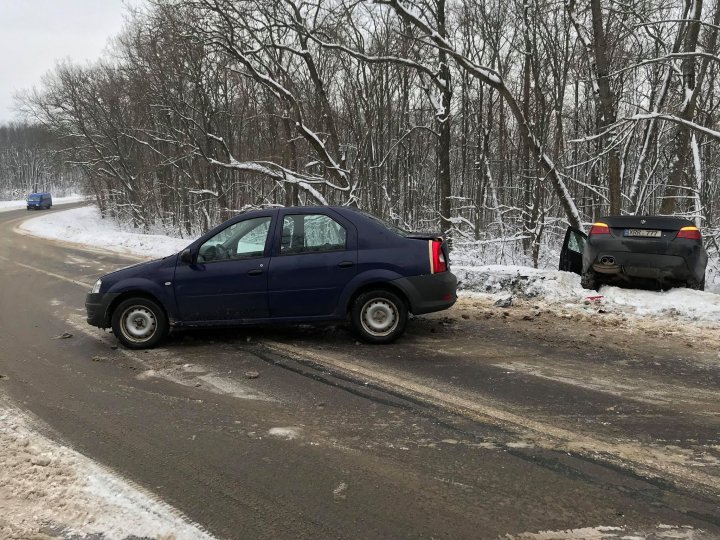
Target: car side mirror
186 256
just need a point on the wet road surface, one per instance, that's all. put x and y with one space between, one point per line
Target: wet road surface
480 423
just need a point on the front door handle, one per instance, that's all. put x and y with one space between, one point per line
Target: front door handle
255 272
345 264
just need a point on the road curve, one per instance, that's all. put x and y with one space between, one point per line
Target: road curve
475 425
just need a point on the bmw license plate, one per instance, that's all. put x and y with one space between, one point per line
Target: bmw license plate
646 233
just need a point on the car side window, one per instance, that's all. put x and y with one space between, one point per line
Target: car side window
311 233
242 240
576 242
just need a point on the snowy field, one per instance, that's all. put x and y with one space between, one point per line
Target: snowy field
6 206
555 289
51 491
85 226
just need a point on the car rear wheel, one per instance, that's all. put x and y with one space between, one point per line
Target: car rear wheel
589 280
695 284
139 323
379 316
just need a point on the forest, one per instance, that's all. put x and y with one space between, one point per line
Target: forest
499 123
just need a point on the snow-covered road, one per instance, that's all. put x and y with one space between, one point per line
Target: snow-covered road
51 491
7 206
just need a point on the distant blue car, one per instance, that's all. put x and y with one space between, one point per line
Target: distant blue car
288 265
39 201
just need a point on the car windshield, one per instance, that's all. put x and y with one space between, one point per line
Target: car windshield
34 198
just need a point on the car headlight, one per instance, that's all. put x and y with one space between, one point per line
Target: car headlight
96 287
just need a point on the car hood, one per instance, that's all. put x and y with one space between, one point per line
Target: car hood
136 269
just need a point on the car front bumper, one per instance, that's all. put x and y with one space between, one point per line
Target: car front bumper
97 306
428 293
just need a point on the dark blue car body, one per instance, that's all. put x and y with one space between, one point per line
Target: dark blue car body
39 201
276 284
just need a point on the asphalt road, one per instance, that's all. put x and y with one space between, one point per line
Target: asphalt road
480 423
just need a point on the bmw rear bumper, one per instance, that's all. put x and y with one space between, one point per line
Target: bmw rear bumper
432 292
678 260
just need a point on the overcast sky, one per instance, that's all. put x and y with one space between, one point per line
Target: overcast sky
35 34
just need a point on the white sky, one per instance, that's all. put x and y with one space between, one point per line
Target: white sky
35 34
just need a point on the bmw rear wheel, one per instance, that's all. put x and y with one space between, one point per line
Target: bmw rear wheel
695 284
589 280
139 323
379 316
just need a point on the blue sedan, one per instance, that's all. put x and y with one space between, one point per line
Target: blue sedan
287 265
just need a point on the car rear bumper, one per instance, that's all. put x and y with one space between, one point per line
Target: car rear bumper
678 260
428 293
97 306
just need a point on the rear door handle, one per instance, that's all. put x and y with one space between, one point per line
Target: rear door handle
255 272
345 264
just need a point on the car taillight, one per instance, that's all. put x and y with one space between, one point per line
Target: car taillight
437 257
692 233
599 228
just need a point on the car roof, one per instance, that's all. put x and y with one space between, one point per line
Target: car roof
317 208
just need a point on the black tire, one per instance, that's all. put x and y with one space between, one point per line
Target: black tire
589 280
695 284
379 316
139 323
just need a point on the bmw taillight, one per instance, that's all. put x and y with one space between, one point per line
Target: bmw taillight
599 228
437 257
691 233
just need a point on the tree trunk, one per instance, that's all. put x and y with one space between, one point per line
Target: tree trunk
606 106
444 128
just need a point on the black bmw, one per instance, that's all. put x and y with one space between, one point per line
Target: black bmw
666 250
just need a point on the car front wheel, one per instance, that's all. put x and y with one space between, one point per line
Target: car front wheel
379 316
139 323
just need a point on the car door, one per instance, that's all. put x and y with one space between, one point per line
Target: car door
572 251
314 258
227 278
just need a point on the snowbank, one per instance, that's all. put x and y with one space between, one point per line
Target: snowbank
86 226
555 287
49 490
6 206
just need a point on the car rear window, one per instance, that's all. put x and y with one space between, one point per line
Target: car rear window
394 228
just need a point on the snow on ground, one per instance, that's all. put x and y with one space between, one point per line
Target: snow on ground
51 491
685 532
563 289
6 206
86 226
